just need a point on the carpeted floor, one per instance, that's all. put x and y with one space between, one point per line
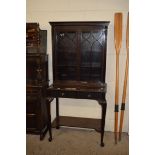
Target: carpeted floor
67 141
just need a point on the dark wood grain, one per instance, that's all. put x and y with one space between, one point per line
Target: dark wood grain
36 80
79 66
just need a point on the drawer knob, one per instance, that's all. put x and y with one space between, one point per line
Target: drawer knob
62 94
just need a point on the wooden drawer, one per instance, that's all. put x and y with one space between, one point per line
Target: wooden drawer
77 94
64 94
90 95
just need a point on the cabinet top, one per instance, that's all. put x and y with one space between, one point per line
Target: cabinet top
80 23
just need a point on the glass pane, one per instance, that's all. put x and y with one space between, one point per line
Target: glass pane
66 55
66 73
92 45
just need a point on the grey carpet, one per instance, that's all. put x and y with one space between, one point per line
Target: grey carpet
67 141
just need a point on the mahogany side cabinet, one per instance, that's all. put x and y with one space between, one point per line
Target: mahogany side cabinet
79 63
36 80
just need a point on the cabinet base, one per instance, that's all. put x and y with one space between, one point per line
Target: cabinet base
42 133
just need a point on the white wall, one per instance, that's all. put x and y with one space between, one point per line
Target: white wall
43 11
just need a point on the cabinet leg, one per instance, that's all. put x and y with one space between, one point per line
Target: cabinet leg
57 113
49 121
41 136
104 107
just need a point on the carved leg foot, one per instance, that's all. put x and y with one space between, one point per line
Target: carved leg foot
50 139
41 136
57 127
104 107
49 121
102 144
50 134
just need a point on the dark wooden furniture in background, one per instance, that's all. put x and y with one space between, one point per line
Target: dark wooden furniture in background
36 80
79 63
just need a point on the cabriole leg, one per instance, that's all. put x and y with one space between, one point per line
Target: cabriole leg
103 115
49 121
57 113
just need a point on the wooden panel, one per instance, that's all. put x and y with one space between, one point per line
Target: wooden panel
32 104
32 34
36 39
36 68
